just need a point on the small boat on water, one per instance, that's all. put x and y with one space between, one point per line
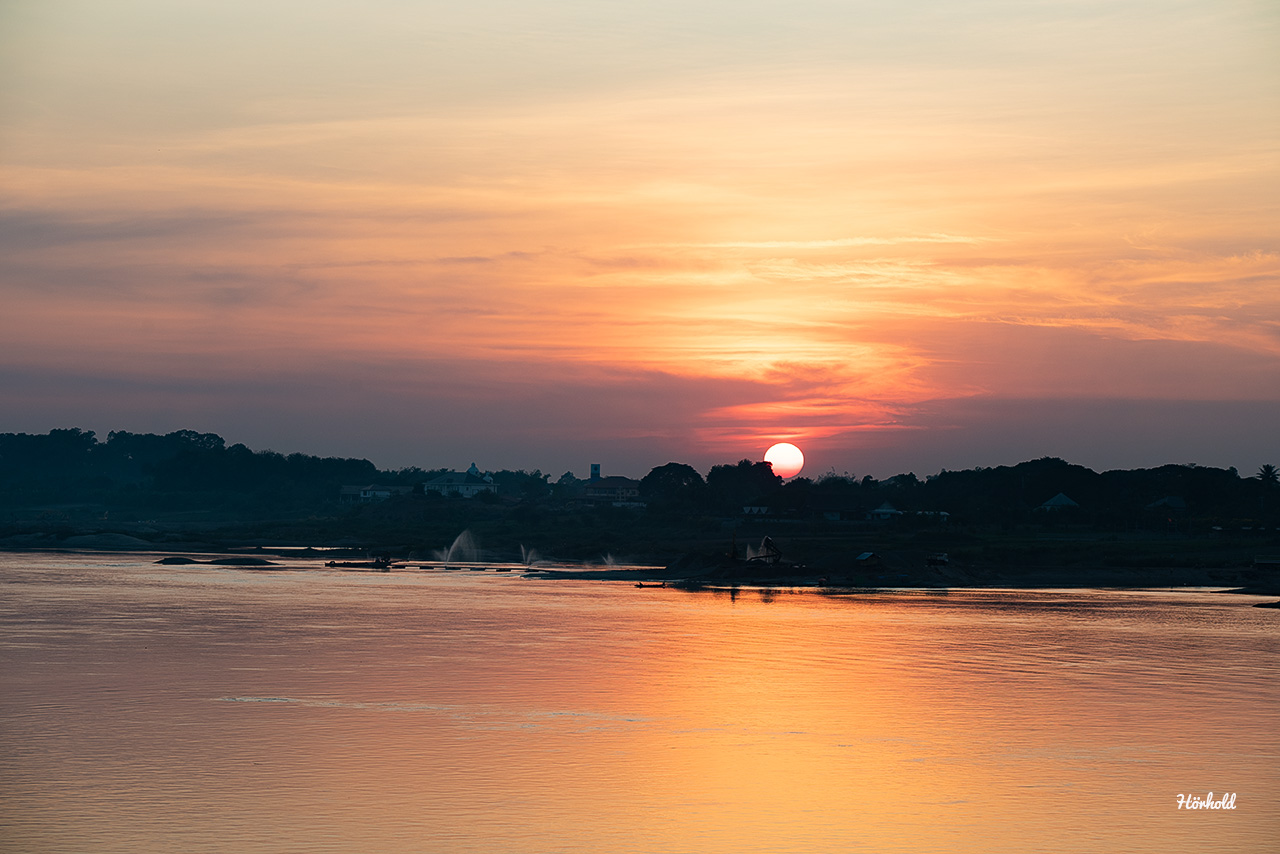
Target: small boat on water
382 563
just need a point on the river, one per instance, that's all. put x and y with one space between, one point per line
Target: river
151 708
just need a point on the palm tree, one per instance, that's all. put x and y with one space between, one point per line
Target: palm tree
1268 476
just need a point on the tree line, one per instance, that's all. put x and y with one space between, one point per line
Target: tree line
1169 496
186 469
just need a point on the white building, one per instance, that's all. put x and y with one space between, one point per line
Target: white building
467 484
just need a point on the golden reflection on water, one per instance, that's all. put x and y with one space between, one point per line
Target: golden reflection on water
186 709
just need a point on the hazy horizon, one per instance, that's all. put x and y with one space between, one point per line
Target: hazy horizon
511 461
541 235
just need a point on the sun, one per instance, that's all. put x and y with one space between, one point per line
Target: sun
786 458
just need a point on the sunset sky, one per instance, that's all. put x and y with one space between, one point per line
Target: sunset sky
903 236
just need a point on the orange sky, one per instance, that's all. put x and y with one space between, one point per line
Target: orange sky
529 233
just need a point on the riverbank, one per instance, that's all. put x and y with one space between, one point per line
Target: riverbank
896 570
812 559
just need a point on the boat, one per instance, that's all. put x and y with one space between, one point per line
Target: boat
382 563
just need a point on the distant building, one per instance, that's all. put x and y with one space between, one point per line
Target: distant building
466 484
884 513
372 492
841 511
1170 503
1058 502
615 490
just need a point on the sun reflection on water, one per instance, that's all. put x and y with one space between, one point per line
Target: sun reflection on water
156 709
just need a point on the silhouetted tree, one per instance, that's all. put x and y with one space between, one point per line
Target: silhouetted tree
672 482
1269 478
674 490
795 495
732 486
566 487
527 486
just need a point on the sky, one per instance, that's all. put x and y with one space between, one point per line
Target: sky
905 236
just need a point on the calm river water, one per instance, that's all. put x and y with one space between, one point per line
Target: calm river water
152 708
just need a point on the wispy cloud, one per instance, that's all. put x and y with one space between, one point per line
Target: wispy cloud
834 243
969 204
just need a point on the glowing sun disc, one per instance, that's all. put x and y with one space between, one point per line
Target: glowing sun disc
786 458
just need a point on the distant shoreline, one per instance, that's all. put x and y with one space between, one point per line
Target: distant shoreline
1039 578
894 570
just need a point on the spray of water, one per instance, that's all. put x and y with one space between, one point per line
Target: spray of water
463 550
